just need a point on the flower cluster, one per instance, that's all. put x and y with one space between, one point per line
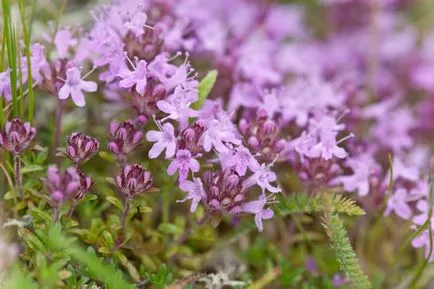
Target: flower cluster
328 109
16 136
318 106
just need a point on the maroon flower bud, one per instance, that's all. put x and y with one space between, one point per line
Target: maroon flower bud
81 147
124 137
16 136
159 91
84 187
268 129
253 142
62 185
133 180
243 126
231 182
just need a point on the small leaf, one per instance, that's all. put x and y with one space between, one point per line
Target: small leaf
323 202
345 254
31 169
205 86
115 201
9 195
169 229
108 157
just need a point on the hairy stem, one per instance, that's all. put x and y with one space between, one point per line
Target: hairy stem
123 222
72 209
17 172
58 128
56 213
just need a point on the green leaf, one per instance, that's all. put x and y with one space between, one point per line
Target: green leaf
345 254
20 280
205 86
324 202
115 201
169 229
31 169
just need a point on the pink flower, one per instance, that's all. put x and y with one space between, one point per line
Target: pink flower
404 171
240 159
257 208
398 203
74 85
195 192
262 177
423 240
184 162
327 147
178 105
362 167
423 207
63 40
5 85
136 23
217 135
136 77
164 140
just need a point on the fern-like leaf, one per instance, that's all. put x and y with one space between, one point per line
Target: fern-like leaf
344 252
324 202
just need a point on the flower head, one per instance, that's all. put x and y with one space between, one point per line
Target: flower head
74 85
16 136
124 137
81 147
62 185
133 180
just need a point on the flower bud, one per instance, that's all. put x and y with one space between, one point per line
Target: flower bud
81 147
124 137
62 185
16 136
133 180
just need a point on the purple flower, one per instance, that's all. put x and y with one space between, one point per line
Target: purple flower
16 136
423 240
403 171
81 147
262 177
327 147
5 85
124 137
136 23
398 203
217 135
178 105
133 180
136 77
74 85
184 162
195 192
63 40
362 167
239 159
257 208
62 185
164 140
339 280
84 187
